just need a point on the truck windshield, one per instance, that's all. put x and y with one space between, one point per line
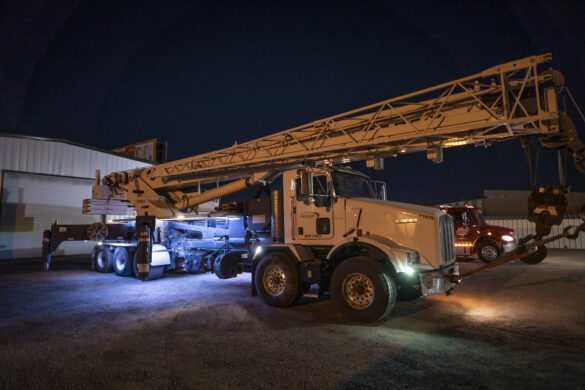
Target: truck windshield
478 218
350 185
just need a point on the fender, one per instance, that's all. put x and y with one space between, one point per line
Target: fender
398 256
485 238
160 255
297 252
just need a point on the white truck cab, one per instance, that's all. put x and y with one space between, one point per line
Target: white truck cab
369 250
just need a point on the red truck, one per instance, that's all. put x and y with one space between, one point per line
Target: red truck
473 235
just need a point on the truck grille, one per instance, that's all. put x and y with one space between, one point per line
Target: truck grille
447 237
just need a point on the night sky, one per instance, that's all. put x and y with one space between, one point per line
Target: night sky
204 74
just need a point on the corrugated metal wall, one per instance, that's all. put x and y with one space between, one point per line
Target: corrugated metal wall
36 155
515 203
523 227
43 180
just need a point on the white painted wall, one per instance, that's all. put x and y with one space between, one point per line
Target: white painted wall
31 203
31 200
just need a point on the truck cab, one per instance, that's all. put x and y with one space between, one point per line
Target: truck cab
337 206
474 236
365 251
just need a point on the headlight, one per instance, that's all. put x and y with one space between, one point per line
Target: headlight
408 270
258 250
507 238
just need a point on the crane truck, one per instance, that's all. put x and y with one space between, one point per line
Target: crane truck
313 220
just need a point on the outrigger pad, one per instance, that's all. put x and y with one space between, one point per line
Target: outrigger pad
547 205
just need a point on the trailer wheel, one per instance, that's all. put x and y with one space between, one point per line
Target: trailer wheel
362 290
488 251
102 259
277 280
122 262
155 272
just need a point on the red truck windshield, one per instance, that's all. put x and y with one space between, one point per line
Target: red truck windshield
478 218
468 217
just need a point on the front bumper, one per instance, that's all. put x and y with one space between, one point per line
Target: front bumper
510 246
439 280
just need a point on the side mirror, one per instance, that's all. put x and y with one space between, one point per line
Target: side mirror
305 190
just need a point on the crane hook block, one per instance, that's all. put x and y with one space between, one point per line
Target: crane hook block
547 205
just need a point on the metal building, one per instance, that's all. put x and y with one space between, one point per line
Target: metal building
508 203
515 203
509 209
42 180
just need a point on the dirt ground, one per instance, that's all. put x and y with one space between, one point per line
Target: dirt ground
518 326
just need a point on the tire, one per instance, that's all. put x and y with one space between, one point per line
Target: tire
122 262
155 272
277 280
536 257
488 251
362 290
102 259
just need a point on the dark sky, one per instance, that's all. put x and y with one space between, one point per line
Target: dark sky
203 74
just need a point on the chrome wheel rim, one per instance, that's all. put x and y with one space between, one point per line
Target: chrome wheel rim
274 280
489 253
358 291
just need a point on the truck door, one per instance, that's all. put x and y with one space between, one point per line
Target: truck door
462 225
313 215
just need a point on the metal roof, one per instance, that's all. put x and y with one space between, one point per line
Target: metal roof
61 157
66 141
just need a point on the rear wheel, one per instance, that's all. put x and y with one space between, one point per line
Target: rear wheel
277 280
122 262
488 251
155 272
362 290
102 259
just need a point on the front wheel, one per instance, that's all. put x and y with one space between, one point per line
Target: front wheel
277 280
362 290
488 252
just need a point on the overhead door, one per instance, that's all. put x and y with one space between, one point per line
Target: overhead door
31 203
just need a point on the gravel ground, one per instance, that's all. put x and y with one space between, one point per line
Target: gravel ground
518 326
